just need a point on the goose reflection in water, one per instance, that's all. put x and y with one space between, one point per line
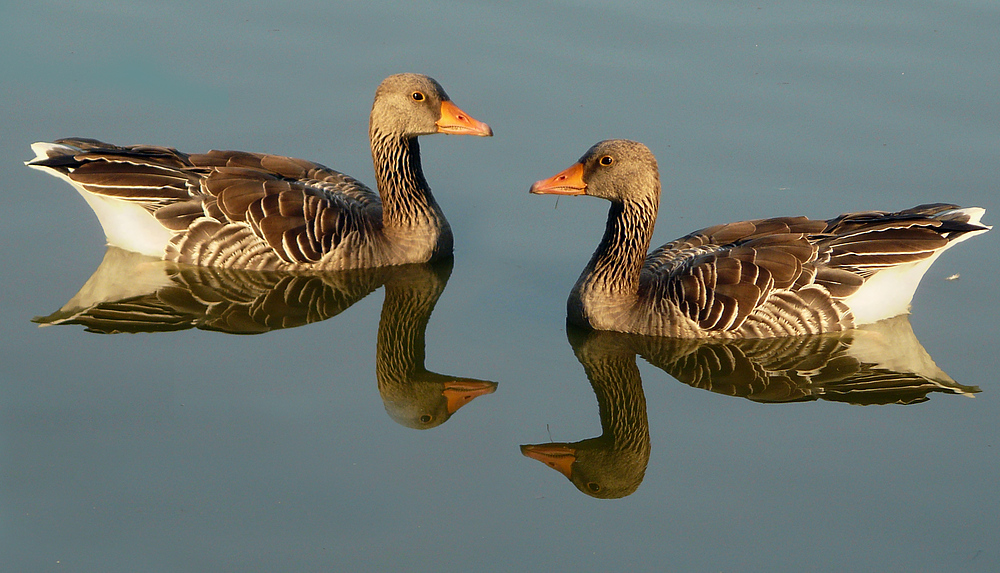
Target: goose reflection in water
880 363
130 292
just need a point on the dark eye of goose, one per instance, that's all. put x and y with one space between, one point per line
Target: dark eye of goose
607 160
425 419
417 96
593 486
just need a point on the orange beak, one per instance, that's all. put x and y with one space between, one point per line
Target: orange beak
456 122
568 182
556 456
461 392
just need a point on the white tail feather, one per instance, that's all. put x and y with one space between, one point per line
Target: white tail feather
889 292
126 224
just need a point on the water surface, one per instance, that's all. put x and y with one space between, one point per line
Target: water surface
294 448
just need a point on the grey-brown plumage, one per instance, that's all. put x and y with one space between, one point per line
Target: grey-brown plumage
414 396
787 276
877 364
134 293
613 464
255 211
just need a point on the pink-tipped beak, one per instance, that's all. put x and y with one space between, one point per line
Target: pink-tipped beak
461 392
454 121
556 456
568 182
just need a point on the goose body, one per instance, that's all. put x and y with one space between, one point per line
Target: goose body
765 278
266 212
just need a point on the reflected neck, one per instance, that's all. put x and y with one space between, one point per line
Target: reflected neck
399 352
622 404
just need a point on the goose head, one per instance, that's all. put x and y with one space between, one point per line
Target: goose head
618 170
594 467
428 399
409 105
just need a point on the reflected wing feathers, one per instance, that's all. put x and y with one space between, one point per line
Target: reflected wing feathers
226 300
855 367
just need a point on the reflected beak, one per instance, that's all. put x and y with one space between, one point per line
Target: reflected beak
557 456
461 392
568 182
456 122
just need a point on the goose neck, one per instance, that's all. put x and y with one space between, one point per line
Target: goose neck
406 197
618 260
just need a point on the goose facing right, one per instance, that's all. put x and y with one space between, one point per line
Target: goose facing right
255 211
764 278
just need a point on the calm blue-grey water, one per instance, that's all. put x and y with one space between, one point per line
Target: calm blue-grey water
199 450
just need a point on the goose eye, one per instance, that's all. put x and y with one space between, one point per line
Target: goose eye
594 487
425 419
607 160
417 96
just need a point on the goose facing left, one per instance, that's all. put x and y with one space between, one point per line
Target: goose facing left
785 276
266 212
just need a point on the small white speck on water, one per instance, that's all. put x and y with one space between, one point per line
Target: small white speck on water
953 277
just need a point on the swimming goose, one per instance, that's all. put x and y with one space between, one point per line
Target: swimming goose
786 276
266 212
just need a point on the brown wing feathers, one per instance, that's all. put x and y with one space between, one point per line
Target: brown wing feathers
147 183
286 202
152 176
299 225
861 245
738 266
776 275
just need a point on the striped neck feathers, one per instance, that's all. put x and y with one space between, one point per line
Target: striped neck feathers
621 402
402 328
618 260
406 198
